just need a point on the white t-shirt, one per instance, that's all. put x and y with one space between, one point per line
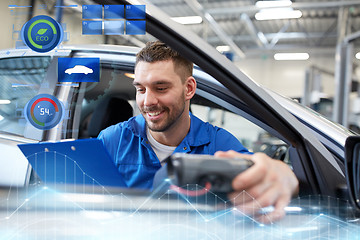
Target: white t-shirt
162 151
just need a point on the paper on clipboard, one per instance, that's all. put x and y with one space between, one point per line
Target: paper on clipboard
82 162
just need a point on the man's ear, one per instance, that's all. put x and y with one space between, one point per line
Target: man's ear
190 89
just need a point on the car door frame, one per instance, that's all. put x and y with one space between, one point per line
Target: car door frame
316 166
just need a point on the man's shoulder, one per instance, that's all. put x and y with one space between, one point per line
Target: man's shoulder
134 125
205 126
205 132
218 138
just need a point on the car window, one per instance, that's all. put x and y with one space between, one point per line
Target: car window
112 100
253 137
107 102
20 80
242 129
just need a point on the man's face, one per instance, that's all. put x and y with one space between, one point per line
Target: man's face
160 94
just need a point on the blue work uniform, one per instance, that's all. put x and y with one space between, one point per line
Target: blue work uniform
130 149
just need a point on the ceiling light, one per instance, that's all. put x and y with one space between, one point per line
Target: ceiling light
277 13
188 20
5 101
223 48
130 75
267 4
1 118
291 56
357 55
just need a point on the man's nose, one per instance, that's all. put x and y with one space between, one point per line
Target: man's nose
150 98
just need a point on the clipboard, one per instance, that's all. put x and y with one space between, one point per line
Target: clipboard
80 162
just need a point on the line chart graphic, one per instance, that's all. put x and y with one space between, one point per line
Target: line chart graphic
81 162
91 210
97 212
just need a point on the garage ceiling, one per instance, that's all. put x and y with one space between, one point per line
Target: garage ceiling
322 25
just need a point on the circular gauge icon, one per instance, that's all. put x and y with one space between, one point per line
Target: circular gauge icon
42 33
44 111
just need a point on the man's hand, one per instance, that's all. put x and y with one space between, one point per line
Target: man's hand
268 182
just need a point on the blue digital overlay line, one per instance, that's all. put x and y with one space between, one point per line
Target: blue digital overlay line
17 6
68 6
65 84
21 85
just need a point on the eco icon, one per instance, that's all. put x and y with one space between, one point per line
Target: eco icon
42 33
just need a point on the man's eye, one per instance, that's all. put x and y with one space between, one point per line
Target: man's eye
140 90
161 89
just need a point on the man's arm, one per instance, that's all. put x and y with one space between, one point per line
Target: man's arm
268 182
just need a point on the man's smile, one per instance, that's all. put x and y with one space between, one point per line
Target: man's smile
154 116
153 113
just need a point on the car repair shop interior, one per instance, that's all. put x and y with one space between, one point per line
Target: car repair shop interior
310 54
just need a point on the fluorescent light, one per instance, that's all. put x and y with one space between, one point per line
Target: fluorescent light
291 56
188 19
1 118
357 55
277 13
5 101
130 75
223 48
267 4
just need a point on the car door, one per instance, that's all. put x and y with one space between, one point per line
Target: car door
314 165
21 78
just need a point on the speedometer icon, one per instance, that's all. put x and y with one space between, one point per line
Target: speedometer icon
44 111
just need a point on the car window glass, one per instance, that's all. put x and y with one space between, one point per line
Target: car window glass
113 100
20 80
107 102
249 134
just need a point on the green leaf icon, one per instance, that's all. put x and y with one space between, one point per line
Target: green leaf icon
42 31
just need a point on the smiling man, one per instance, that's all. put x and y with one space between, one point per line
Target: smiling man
164 87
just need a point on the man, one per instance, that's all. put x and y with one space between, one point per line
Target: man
164 86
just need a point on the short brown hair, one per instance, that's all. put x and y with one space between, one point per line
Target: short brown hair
159 51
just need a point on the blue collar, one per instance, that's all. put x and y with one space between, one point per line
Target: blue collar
198 134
